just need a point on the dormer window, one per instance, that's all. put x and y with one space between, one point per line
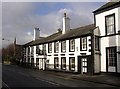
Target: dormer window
110 24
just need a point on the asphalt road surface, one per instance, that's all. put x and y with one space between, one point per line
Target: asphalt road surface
15 76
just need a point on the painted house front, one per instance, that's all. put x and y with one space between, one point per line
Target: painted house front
88 49
66 50
107 18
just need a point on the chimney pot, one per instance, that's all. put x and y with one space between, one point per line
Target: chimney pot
64 14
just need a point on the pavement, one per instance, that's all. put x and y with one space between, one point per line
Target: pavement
103 78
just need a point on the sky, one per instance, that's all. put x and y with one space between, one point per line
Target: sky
20 18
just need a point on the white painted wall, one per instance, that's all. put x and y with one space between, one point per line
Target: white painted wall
35 55
118 55
100 20
26 54
119 18
76 53
118 41
107 41
97 63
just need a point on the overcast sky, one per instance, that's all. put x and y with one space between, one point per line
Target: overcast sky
20 18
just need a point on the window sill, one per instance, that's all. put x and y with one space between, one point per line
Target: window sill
72 51
83 50
63 51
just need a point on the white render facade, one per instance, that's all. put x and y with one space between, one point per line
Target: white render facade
46 60
95 50
109 41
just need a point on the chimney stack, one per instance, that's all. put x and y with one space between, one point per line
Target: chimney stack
36 33
66 24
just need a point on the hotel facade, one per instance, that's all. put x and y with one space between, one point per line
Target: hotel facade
89 49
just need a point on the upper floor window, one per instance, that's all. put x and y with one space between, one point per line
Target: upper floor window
49 47
56 47
37 49
72 44
44 48
29 50
110 24
83 43
63 46
32 49
24 51
96 43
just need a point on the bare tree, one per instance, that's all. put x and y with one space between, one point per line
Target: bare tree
8 53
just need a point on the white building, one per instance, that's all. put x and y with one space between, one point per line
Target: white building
107 18
89 49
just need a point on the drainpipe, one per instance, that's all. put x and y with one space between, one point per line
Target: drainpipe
92 52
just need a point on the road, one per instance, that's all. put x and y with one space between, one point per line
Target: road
15 76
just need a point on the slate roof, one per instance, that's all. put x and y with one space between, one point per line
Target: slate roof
73 33
107 5
77 32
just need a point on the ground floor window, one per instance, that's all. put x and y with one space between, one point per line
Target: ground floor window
56 62
111 56
37 62
32 61
24 59
28 60
72 63
63 63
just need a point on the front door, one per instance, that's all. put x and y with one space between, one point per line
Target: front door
82 65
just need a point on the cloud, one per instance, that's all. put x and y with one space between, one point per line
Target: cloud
13 25
19 19
55 0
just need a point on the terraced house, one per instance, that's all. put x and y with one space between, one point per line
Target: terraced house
89 49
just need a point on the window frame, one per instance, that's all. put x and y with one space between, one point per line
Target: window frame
106 30
70 64
81 44
49 48
44 48
71 44
37 49
63 50
109 62
56 66
56 47
63 66
97 40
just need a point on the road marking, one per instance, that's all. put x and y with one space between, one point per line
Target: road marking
6 85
